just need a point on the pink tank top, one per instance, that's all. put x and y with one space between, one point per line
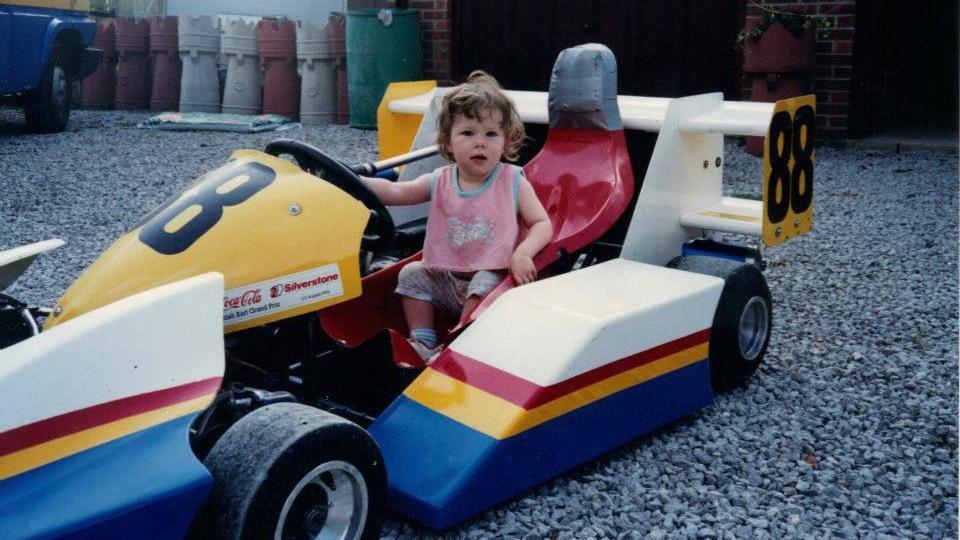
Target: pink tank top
472 230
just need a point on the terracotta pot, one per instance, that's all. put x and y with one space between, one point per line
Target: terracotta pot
778 51
133 64
99 87
165 94
278 55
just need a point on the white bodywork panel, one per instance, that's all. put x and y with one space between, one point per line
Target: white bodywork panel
729 214
683 176
14 262
158 339
746 118
551 330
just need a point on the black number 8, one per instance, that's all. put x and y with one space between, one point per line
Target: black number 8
789 181
211 205
803 162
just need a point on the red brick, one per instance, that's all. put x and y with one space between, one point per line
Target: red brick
841 33
827 134
835 59
843 47
841 72
835 121
832 109
832 84
823 72
846 8
845 21
835 8
840 98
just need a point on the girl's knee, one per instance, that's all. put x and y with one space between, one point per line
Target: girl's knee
412 273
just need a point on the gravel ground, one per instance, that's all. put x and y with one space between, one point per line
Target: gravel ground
849 429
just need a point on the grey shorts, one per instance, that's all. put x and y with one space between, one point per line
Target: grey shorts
444 289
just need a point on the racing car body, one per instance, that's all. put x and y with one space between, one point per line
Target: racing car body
105 450
624 332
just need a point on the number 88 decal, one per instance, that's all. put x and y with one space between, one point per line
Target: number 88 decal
249 179
794 186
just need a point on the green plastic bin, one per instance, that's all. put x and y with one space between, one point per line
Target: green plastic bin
379 54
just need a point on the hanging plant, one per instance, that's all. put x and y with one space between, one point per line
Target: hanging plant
794 22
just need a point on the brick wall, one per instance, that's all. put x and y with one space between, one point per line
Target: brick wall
834 59
434 19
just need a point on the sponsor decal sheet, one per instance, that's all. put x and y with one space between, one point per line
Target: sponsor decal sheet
281 293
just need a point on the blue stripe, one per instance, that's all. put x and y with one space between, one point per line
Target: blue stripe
479 190
516 190
441 471
144 485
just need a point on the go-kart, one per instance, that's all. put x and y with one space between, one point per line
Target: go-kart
234 366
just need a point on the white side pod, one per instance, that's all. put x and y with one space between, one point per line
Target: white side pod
14 262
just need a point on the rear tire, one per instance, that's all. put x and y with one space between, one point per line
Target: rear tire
741 328
292 471
48 107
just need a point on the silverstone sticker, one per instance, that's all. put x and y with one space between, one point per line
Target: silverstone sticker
281 293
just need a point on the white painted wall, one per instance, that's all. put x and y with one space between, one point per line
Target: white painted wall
313 11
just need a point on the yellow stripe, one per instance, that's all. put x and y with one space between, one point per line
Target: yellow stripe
41 454
75 5
727 215
500 418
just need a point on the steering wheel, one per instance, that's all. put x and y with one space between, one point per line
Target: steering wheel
380 230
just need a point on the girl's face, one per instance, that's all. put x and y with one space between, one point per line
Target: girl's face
477 144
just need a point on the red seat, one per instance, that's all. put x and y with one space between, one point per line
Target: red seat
584 180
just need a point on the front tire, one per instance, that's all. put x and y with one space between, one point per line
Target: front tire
292 471
48 107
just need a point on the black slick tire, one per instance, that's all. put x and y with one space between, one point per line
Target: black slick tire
741 328
291 471
48 107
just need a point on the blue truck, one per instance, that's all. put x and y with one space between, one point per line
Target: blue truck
44 46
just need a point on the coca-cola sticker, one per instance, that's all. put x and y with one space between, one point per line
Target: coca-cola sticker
281 294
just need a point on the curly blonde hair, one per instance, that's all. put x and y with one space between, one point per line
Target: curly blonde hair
480 93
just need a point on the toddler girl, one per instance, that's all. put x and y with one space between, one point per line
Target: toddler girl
473 230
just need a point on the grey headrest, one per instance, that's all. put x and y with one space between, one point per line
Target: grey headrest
583 89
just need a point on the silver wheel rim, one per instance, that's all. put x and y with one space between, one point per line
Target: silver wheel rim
59 84
754 322
329 502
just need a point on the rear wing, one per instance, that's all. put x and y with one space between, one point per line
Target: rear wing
682 190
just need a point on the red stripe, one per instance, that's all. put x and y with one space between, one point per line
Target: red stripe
530 395
75 421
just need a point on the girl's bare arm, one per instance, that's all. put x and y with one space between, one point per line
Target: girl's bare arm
540 232
400 193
